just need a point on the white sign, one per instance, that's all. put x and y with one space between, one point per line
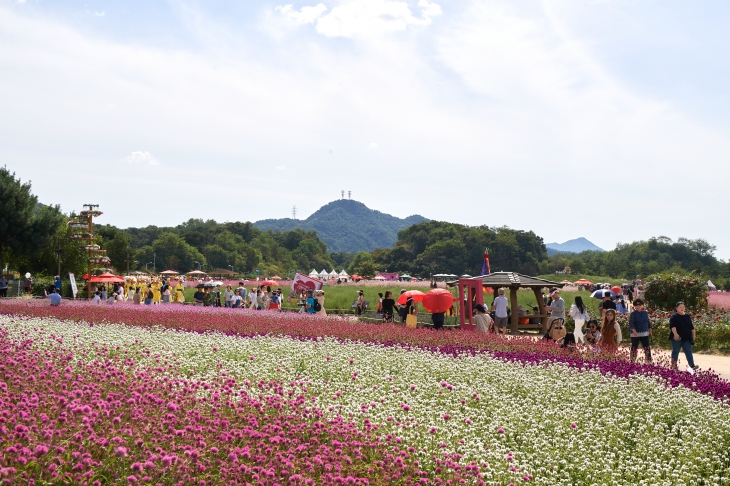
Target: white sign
74 289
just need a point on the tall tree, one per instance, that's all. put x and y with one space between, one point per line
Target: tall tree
25 226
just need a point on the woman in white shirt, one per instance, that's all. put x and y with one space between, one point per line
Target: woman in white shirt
579 313
482 320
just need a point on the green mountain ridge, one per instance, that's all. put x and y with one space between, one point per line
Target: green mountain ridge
346 225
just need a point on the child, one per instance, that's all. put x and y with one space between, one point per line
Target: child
640 330
593 334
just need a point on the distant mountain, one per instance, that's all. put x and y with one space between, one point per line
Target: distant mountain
577 245
346 225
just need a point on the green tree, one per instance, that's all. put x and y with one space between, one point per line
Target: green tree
363 265
26 228
169 245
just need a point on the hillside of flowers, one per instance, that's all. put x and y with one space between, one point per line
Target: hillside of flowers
125 395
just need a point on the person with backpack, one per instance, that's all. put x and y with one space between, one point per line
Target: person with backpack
319 303
640 329
310 303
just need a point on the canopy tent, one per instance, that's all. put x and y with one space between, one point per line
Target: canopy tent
511 280
711 285
343 273
276 277
314 273
324 274
379 277
333 274
169 272
583 282
196 272
566 282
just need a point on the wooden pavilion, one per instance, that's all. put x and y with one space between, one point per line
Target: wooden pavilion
471 290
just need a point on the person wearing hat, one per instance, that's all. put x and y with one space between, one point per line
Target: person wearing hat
401 308
500 312
556 307
482 320
360 302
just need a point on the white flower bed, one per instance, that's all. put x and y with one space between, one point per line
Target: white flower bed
542 424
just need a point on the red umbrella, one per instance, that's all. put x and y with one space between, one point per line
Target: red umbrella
416 295
616 290
583 282
438 300
268 283
107 278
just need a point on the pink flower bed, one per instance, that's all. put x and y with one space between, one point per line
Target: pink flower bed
67 421
720 300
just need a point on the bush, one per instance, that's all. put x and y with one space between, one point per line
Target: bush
664 290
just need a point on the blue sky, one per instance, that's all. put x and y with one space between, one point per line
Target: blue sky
604 119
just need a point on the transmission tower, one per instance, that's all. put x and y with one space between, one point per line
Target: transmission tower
294 212
343 194
349 194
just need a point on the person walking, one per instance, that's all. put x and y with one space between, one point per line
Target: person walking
228 296
610 332
319 295
640 329
500 312
137 297
579 313
3 287
360 304
682 334
556 307
309 307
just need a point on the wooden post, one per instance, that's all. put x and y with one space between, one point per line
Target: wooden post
541 306
513 304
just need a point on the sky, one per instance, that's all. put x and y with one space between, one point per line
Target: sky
606 119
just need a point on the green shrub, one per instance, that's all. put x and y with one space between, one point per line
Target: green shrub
664 290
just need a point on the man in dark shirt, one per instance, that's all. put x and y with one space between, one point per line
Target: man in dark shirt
198 297
607 303
683 336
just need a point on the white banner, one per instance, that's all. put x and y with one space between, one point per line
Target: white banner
302 282
74 289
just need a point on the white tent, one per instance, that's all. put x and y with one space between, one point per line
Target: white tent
379 277
313 273
711 285
343 273
333 274
323 274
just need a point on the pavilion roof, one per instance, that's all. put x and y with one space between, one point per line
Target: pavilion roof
513 279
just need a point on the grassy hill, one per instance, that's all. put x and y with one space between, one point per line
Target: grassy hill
346 225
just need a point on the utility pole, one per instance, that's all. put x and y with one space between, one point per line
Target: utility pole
294 212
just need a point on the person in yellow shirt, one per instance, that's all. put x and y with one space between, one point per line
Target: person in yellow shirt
180 292
156 292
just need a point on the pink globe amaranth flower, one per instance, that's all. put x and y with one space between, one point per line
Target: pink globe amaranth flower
40 450
500 430
328 358
172 407
446 416
121 452
573 425
132 479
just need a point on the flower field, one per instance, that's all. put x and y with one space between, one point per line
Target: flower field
115 395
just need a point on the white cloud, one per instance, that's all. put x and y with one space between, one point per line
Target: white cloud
280 167
306 15
366 17
141 158
373 146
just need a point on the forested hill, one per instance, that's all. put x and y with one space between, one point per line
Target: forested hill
346 225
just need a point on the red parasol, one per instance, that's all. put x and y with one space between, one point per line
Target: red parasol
268 283
583 282
107 278
616 290
438 300
357 278
416 295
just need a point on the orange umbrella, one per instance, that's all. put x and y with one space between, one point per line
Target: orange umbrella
438 300
583 282
268 283
616 290
416 295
